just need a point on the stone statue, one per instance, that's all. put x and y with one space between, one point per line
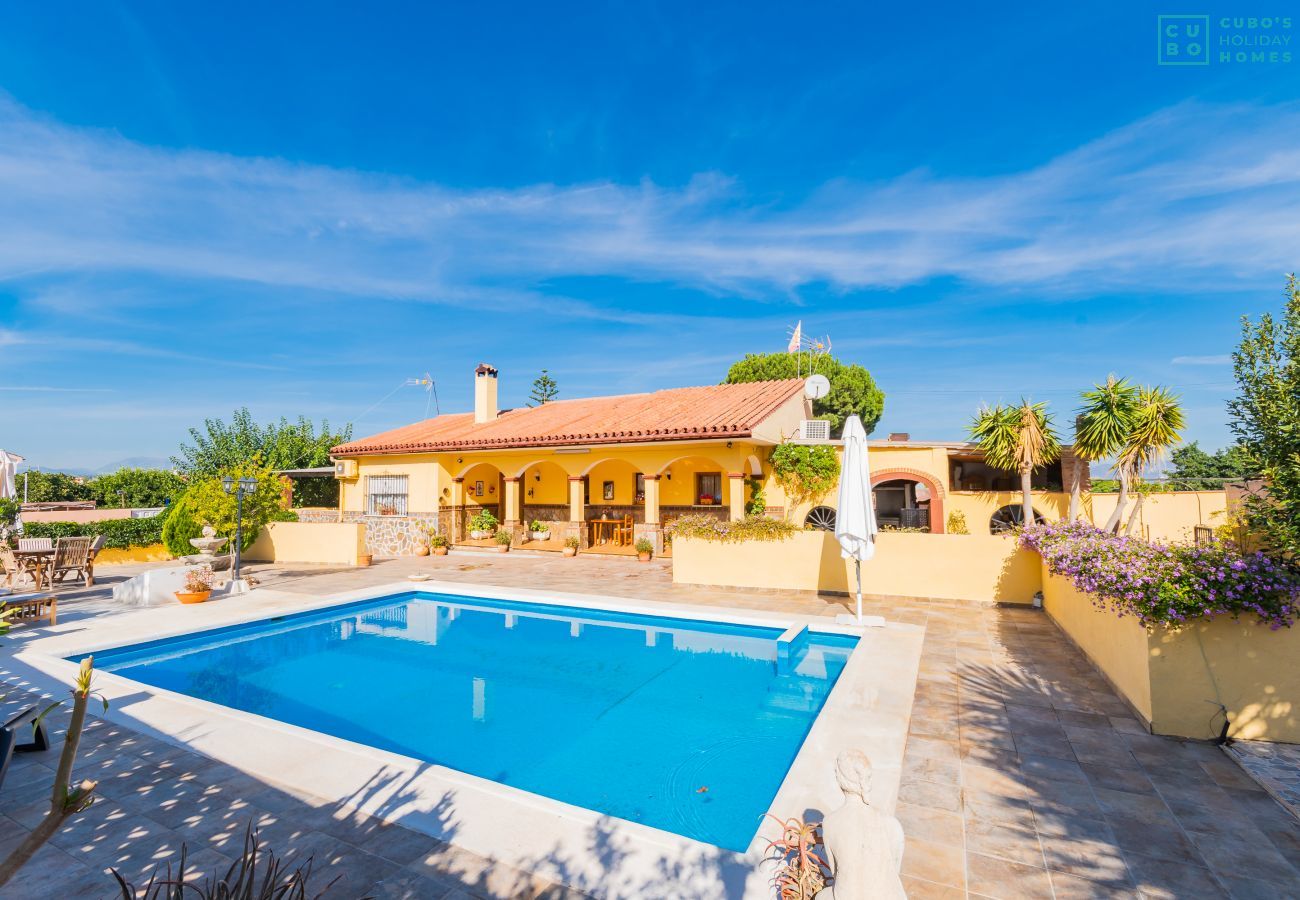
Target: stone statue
864 847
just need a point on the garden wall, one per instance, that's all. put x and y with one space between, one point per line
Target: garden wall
335 543
1174 678
974 567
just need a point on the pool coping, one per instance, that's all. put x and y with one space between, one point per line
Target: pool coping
869 709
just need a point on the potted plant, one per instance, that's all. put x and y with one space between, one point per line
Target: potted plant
706 499
539 531
482 524
503 539
644 549
571 545
198 585
438 544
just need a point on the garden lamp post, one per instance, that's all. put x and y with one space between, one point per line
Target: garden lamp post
240 488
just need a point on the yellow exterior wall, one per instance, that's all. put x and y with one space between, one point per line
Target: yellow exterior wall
1174 677
1167 517
954 567
426 473
431 474
337 543
1118 647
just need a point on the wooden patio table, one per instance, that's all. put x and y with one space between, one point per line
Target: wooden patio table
39 558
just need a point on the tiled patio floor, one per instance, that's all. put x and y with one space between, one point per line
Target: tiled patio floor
1025 775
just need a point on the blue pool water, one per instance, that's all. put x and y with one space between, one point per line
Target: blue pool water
681 725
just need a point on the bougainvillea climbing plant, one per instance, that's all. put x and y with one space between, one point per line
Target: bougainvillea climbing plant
1168 584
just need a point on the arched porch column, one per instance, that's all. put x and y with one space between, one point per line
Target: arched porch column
510 512
736 495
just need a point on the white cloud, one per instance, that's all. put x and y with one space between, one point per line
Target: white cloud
1221 359
1192 198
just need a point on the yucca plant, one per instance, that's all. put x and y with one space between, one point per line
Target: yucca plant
256 875
800 870
1156 426
1101 428
1017 439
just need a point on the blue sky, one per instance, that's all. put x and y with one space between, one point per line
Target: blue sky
297 207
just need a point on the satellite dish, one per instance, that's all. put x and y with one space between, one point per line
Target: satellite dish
816 387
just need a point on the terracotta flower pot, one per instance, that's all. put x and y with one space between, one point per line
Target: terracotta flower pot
195 597
365 559
421 551
644 557
503 548
439 551
570 551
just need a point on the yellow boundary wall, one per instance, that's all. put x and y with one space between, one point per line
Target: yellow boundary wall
1175 678
338 543
984 568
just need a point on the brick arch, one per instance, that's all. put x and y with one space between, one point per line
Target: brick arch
937 493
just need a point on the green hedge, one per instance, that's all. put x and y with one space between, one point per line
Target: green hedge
120 534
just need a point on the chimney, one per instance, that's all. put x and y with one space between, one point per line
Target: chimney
899 436
485 394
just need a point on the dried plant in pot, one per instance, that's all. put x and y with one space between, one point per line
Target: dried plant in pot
504 539
438 544
800 870
645 549
571 545
198 585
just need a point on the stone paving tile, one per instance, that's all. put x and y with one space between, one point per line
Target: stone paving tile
1016 746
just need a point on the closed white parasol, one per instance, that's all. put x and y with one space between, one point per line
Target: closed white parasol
855 519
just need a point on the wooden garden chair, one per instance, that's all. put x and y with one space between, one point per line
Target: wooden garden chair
15 568
72 555
623 532
35 544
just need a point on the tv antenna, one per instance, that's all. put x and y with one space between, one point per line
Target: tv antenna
430 390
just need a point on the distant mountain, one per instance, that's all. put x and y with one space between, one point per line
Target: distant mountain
134 462
131 462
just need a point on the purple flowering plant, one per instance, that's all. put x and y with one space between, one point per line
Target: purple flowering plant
1167 584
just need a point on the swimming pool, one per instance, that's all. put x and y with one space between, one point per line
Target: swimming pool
683 725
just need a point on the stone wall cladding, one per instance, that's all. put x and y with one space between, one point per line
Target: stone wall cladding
394 535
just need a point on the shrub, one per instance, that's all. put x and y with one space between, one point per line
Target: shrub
757 504
181 525
573 542
539 525
504 538
437 540
806 472
645 545
1162 584
483 520
207 503
753 528
957 523
119 534
8 515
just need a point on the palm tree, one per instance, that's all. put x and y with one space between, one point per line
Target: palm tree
1157 425
1101 429
1018 439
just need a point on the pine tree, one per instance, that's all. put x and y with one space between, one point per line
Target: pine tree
544 389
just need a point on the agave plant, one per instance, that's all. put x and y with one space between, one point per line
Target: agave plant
801 872
256 875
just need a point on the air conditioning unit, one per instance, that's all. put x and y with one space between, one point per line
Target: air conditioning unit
815 430
345 468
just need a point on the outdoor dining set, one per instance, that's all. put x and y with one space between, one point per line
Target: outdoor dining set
45 561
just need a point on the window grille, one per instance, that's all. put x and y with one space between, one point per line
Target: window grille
386 495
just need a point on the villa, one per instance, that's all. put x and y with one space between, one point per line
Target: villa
650 458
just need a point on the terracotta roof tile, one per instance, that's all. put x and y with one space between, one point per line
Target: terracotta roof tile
691 413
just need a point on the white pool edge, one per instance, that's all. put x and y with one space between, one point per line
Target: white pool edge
868 709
